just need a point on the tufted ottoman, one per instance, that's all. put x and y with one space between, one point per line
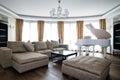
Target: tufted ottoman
86 68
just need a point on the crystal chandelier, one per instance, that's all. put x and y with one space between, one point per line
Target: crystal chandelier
58 13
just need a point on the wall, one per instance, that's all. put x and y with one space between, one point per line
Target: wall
116 18
109 28
3 18
11 29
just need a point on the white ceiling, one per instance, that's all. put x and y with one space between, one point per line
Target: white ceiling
77 8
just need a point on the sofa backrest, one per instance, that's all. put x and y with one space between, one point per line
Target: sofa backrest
40 45
16 46
19 46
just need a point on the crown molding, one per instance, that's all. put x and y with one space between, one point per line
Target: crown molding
7 12
47 18
112 12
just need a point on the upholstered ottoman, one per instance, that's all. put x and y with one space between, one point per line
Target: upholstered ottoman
86 68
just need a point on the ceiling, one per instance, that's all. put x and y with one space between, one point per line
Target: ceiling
77 8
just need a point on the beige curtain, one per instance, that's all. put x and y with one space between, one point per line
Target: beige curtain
40 30
60 25
102 23
19 27
80 29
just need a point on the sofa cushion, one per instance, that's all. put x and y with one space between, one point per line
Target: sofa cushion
28 57
29 46
45 51
89 64
59 49
16 46
49 45
40 45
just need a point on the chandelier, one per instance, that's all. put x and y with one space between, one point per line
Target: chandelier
59 12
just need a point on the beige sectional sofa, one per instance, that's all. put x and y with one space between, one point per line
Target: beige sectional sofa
24 56
48 46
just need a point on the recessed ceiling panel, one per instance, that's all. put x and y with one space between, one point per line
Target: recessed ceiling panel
76 7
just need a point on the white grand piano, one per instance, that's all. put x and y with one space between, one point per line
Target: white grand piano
103 39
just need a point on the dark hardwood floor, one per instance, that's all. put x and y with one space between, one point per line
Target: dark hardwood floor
53 71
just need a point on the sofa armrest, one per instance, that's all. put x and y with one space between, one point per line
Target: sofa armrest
5 57
63 46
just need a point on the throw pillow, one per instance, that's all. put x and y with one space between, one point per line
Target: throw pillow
55 43
49 45
29 46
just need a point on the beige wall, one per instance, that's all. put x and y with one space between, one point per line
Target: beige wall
11 29
116 18
109 28
3 18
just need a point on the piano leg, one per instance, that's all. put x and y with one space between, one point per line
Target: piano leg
111 51
93 49
80 50
87 50
105 50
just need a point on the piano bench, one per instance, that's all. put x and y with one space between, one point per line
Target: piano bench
86 68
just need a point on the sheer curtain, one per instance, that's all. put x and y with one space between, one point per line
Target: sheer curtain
86 31
50 31
30 32
70 35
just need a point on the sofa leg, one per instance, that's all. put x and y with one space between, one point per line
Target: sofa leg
108 77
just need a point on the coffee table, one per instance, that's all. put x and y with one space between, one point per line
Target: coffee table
62 55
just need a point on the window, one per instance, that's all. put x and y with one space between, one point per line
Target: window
50 31
70 35
30 32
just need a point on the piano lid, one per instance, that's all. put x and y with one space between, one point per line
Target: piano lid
99 33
